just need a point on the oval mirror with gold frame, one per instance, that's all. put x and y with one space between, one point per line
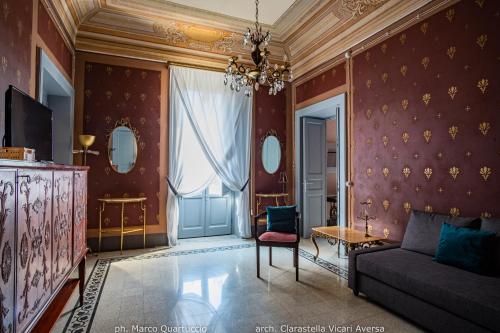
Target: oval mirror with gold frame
271 152
122 147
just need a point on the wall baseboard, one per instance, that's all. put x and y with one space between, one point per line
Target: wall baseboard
129 242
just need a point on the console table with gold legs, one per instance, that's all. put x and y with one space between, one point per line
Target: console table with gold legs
122 229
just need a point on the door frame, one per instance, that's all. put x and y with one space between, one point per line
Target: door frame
326 109
53 88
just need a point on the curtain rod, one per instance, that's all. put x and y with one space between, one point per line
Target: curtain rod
208 68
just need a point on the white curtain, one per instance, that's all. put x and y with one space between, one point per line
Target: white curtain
220 120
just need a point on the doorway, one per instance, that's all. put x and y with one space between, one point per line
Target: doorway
315 169
55 92
331 172
206 213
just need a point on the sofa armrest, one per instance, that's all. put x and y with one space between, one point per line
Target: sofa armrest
351 282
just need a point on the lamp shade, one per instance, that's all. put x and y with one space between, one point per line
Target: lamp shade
86 140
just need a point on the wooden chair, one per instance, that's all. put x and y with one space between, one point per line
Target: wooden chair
277 239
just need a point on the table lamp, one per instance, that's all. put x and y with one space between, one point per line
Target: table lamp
86 140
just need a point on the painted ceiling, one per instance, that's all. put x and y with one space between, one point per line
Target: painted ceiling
309 32
269 10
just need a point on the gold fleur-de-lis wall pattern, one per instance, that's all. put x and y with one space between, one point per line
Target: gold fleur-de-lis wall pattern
330 79
112 93
436 86
55 42
265 121
15 46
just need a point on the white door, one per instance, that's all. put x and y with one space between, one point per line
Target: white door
313 174
207 213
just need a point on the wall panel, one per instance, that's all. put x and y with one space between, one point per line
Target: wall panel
426 119
15 49
113 93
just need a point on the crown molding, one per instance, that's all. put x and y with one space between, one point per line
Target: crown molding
143 50
177 35
296 16
165 10
82 10
313 33
332 44
65 28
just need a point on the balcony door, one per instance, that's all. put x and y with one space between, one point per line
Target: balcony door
206 213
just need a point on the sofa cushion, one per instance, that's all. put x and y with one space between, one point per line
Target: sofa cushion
422 230
466 248
468 295
493 225
273 236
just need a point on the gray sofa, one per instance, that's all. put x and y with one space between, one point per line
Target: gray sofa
404 278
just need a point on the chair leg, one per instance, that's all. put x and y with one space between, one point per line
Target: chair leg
270 256
258 260
296 256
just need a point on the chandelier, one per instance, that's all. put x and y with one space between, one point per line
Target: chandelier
240 76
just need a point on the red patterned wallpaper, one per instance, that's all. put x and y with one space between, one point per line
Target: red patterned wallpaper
270 115
321 83
111 94
426 119
15 49
51 36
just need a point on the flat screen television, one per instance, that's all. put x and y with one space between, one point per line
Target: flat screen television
27 124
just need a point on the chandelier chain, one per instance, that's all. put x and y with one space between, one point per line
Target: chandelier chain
256 13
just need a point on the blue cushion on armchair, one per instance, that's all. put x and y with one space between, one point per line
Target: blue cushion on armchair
281 218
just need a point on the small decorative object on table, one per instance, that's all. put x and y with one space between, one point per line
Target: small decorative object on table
366 217
18 153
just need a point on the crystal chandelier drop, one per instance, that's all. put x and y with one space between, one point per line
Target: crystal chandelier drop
240 76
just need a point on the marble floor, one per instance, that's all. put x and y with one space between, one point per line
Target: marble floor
219 292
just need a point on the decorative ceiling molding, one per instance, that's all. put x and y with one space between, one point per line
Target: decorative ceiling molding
198 38
175 33
148 51
359 7
310 32
315 50
56 9
331 20
299 13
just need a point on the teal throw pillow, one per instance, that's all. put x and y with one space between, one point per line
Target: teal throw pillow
281 218
466 248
